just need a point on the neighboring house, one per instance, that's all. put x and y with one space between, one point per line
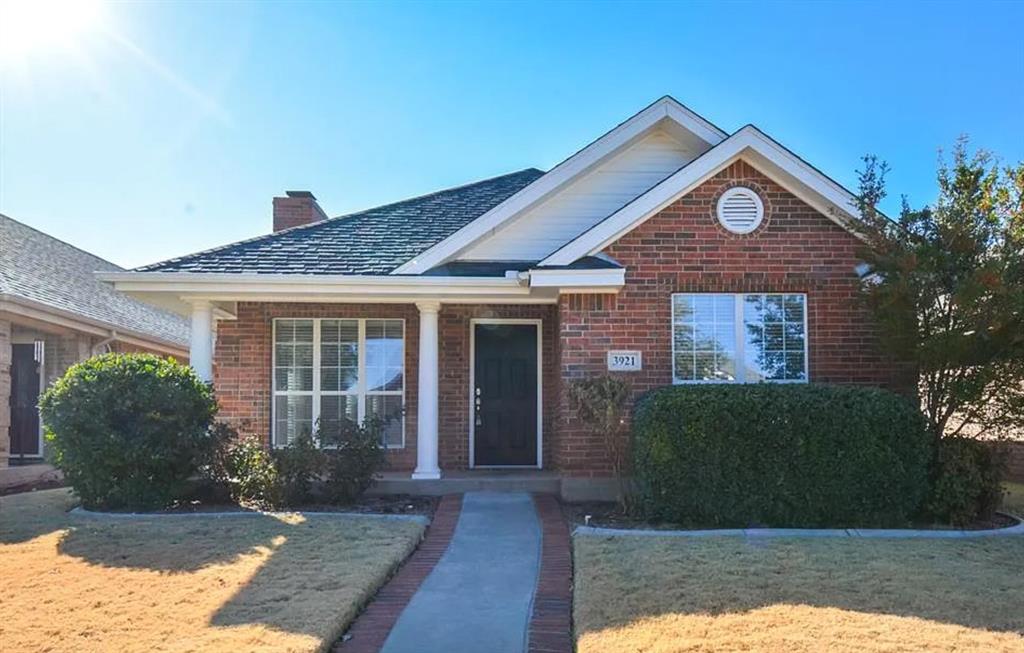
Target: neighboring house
666 250
54 312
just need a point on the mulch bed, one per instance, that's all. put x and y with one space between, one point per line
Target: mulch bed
609 515
398 504
32 487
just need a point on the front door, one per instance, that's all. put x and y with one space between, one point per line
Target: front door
24 399
505 395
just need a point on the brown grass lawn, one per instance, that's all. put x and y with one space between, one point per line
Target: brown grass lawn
660 594
76 583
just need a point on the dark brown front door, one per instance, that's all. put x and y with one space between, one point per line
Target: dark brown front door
505 395
24 399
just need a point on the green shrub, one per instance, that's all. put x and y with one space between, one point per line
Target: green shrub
966 485
128 430
299 466
798 455
246 468
354 456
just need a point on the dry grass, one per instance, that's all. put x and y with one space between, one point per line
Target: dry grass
659 594
75 583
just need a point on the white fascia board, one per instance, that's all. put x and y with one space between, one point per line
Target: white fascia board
222 287
823 194
576 165
168 280
702 128
579 281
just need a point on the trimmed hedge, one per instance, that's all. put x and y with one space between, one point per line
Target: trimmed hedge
782 455
128 430
968 482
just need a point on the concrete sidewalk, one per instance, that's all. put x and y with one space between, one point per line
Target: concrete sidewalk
479 597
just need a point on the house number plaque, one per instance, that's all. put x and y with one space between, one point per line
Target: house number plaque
624 361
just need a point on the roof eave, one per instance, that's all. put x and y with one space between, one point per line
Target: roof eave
803 180
181 288
558 177
41 312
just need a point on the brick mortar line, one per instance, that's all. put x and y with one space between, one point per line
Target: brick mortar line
371 628
550 629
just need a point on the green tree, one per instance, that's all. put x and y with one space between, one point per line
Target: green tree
946 283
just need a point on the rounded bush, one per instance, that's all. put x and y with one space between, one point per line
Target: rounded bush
793 455
967 484
128 430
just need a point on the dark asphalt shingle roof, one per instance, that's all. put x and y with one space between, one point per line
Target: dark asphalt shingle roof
37 267
375 241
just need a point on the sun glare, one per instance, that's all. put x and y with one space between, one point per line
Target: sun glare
35 27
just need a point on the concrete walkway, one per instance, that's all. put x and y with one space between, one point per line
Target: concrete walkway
479 597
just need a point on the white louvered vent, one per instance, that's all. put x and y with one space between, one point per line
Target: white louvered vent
740 210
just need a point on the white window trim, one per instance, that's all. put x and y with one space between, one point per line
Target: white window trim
741 341
360 392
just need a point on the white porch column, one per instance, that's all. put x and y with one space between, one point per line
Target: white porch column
200 352
426 415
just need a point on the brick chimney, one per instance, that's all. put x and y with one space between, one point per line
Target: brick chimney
299 207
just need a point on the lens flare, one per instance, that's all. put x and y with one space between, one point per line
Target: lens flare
35 27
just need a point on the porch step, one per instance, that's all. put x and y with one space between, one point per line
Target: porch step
540 482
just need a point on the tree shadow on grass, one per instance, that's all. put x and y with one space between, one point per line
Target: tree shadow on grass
977 583
29 515
310 575
173 544
316 584
315 574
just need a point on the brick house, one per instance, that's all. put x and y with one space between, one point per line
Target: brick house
54 313
666 251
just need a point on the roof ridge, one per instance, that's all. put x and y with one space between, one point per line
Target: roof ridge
330 220
61 241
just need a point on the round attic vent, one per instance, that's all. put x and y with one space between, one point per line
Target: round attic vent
740 210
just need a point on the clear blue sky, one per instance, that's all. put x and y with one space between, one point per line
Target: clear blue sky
170 129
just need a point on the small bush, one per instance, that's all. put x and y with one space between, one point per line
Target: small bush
602 405
128 430
246 468
353 458
299 466
780 455
966 485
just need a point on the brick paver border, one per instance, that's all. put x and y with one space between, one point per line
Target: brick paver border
551 621
370 629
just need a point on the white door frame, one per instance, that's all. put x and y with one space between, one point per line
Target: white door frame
472 390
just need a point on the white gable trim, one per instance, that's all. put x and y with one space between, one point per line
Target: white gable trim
556 178
775 161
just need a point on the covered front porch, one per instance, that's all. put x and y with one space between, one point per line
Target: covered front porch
473 363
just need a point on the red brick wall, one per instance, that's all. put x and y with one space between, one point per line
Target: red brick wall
684 249
1012 453
244 357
